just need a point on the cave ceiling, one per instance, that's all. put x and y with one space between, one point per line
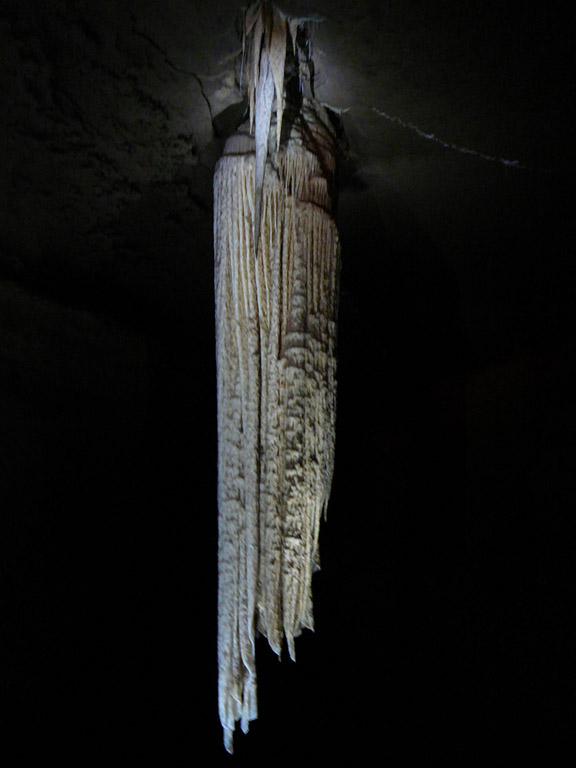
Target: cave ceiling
454 115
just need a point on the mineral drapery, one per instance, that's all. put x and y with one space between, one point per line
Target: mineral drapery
276 282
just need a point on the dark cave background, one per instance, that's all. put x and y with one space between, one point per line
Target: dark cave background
444 607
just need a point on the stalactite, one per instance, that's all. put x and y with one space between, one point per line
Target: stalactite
276 281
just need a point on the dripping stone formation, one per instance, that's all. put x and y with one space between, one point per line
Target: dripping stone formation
277 258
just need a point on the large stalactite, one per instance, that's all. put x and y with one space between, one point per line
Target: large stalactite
276 279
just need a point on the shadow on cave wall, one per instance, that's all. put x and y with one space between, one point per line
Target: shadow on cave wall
438 497
107 405
399 493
